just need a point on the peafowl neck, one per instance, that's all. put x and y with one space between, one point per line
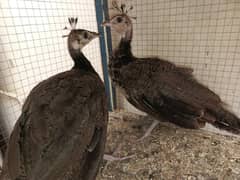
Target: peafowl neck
121 56
80 60
127 36
124 51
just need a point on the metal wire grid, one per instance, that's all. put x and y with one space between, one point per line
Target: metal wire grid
201 34
32 49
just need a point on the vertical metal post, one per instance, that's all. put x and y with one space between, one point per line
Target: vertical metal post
106 49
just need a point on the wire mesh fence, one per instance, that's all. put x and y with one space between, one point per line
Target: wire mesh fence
201 34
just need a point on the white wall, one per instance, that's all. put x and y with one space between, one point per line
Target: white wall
202 34
32 49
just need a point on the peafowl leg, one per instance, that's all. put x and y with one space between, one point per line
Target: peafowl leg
111 158
149 130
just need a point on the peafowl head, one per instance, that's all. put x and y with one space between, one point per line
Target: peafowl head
121 22
78 38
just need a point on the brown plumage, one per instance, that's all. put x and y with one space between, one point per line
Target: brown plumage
61 132
162 89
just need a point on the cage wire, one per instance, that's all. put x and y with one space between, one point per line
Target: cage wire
32 48
200 34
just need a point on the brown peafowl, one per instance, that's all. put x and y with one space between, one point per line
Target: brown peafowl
162 89
61 132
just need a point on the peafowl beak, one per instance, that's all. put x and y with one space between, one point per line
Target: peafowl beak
95 34
106 23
